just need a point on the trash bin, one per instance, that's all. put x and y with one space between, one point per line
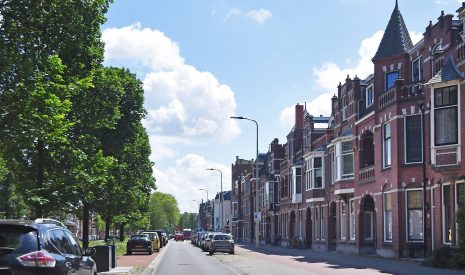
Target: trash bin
103 258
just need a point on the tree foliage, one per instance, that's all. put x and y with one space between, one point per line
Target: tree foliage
164 211
71 136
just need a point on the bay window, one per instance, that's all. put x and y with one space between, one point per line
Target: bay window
345 160
446 116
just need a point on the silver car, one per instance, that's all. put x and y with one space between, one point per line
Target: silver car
221 243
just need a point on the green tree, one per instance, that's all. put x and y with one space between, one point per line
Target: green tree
164 211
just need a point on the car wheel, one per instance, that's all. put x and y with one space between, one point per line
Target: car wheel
150 252
128 252
158 250
231 252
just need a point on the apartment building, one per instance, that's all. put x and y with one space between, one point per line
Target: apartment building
383 174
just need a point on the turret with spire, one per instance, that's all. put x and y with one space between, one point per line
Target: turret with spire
396 39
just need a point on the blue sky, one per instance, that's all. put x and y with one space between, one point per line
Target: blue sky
204 61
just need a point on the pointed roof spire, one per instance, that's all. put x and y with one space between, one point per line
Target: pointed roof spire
396 39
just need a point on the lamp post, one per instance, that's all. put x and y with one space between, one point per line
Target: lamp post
221 195
421 106
257 240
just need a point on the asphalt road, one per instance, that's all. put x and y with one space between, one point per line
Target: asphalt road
183 258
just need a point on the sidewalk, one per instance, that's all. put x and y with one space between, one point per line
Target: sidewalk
384 265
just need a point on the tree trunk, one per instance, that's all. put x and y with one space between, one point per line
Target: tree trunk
85 226
107 227
121 232
40 176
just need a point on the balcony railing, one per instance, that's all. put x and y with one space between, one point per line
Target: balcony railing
388 97
367 174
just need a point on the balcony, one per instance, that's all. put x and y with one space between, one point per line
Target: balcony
388 97
367 174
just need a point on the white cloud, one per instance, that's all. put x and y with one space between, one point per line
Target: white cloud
181 100
329 74
260 16
447 2
184 185
149 47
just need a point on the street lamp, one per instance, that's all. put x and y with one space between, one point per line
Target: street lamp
257 241
221 195
201 189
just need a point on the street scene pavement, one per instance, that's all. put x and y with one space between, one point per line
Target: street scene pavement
184 258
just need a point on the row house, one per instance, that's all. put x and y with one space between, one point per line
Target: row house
383 174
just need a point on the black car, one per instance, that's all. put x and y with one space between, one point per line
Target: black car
139 243
43 246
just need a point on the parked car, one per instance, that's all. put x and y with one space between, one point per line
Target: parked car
199 237
153 237
221 242
42 246
207 242
139 243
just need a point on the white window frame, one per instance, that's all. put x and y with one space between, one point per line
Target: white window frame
311 170
352 228
443 214
385 217
420 76
333 166
387 162
433 128
308 174
343 220
317 223
405 138
407 217
367 102
386 79
456 199
322 223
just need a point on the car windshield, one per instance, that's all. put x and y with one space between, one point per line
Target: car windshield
139 237
17 240
222 237
152 236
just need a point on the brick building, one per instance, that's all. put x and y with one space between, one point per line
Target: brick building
383 174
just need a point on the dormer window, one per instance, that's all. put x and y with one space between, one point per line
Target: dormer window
369 96
390 79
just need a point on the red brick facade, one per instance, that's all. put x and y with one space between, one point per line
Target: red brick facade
356 185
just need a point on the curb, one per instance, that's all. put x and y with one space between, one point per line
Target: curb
153 266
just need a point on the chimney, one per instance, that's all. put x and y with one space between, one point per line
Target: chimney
333 104
299 116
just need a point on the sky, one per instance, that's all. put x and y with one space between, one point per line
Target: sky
203 61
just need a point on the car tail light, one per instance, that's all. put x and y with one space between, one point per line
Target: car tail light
37 258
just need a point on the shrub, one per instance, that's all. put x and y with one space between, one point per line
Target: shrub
442 256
